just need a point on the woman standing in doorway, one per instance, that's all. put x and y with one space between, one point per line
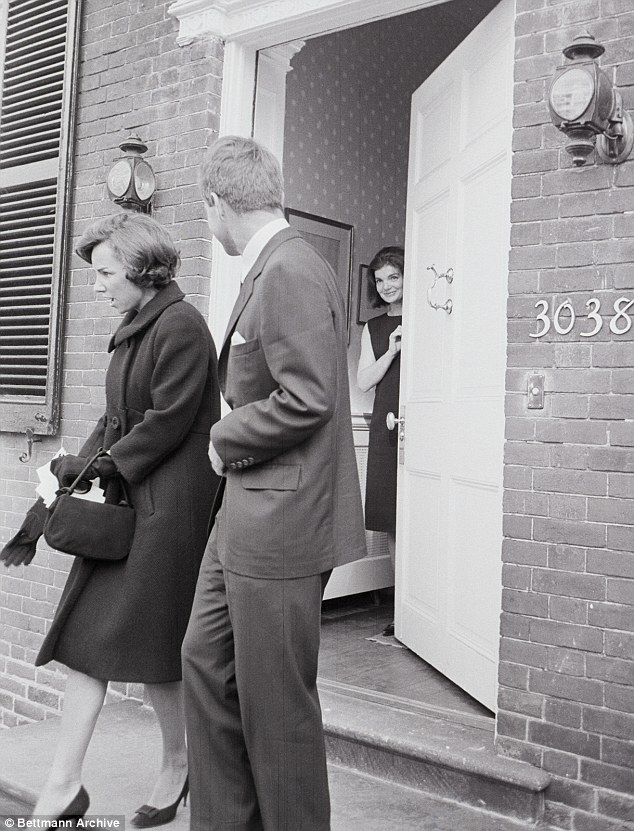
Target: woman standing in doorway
379 368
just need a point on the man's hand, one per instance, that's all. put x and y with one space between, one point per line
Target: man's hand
216 462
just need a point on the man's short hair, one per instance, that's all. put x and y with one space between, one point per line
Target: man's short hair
243 173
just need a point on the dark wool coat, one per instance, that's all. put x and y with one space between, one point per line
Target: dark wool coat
125 620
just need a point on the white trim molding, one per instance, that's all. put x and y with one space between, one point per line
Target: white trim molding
266 23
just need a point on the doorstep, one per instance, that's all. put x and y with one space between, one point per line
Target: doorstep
451 757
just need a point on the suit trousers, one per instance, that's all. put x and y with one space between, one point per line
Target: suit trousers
257 758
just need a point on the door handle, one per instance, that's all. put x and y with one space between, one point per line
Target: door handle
391 421
447 306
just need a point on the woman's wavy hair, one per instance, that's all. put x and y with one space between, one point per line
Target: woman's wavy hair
392 255
143 245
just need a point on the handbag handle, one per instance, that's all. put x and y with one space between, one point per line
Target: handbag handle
101 452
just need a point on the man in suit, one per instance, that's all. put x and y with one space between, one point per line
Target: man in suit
290 512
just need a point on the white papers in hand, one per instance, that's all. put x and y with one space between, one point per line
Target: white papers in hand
49 485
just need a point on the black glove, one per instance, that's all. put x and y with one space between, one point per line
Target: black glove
20 549
67 469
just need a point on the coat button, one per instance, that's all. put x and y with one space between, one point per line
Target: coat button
250 460
246 462
232 465
114 422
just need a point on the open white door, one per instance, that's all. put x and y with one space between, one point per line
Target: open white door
449 531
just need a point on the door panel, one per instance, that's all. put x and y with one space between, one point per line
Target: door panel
449 529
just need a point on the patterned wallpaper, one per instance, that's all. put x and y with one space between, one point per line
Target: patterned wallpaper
347 127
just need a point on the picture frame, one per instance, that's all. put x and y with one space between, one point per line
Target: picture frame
334 241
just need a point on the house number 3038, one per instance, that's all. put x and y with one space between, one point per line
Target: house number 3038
563 318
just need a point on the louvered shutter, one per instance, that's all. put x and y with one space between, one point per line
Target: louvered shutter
36 126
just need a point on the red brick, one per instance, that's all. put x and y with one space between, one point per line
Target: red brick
524 552
564 713
610 669
616 752
575 794
621 538
615 805
511 725
569 584
562 738
524 603
514 626
512 675
552 632
607 723
568 609
572 533
567 558
557 815
621 591
521 652
608 776
563 686
619 644
566 661
621 434
524 703
611 616
516 577
561 764
591 822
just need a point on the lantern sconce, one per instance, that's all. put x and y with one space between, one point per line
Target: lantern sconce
584 105
131 181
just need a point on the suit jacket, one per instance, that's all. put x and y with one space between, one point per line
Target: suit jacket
292 503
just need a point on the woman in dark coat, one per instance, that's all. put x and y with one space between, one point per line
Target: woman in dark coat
125 620
380 368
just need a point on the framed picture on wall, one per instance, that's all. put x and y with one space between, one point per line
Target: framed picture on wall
364 310
334 242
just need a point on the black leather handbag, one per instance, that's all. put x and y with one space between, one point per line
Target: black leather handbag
92 530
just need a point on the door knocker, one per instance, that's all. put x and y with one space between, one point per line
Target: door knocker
447 306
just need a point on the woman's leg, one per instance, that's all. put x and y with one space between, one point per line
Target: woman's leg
83 700
167 701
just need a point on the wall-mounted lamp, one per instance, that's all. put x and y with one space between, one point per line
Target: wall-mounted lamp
585 106
131 182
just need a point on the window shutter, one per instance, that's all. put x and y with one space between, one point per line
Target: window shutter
36 127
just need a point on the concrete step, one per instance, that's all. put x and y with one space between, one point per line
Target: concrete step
125 754
451 757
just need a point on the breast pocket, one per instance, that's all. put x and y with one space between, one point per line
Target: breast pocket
238 349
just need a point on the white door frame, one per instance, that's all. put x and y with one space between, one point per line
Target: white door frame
247 26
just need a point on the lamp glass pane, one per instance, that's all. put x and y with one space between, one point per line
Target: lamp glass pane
119 178
144 181
571 94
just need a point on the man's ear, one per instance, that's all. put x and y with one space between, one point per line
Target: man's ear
218 204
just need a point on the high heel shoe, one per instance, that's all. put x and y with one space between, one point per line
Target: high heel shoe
148 817
77 807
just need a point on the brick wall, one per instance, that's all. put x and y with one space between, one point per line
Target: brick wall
567 695
133 78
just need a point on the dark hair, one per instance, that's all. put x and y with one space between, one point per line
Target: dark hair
141 243
244 173
392 255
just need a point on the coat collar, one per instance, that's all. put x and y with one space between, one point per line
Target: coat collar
246 289
135 322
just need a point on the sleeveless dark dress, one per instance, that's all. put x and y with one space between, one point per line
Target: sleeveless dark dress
380 489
